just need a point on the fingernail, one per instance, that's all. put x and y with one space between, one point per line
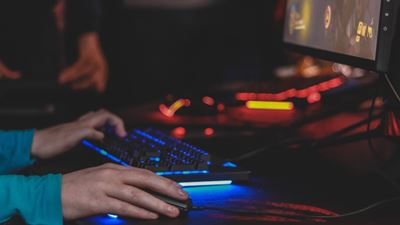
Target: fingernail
182 193
153 216
172 210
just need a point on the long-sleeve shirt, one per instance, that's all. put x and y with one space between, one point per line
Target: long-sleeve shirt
36 199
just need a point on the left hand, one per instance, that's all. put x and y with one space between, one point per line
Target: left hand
56 140
91 69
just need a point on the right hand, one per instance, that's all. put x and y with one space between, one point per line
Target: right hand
8 73
115 189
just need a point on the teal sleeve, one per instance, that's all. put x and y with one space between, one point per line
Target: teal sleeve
36 199
15 150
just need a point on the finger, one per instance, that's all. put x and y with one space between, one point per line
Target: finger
113 166
84 84
93 134
103 117
121 208
143 200
75 72
145 179
87 115
100 80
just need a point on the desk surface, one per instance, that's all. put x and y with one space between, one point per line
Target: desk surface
256 196
307 178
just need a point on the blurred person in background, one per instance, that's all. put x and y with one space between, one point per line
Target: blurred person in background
53 39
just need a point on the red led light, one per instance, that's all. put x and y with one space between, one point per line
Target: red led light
179 132
302 94
314 98
220 107
187 102
209 132
291 93
208 101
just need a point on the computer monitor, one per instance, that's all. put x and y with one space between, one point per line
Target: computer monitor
353 32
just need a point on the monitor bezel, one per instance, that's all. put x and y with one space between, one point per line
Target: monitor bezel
380 64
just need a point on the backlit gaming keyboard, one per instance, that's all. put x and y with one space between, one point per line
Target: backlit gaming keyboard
166 156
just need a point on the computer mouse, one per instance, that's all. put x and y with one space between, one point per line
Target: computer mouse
183 206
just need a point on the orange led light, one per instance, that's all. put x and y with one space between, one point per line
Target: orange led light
268 105
170 111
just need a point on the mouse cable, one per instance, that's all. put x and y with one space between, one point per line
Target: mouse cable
301 216
267 148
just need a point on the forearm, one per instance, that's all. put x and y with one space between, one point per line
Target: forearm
15 150
36 199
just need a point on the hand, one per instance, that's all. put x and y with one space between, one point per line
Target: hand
8 73
118 190
349 71
53 141
91 69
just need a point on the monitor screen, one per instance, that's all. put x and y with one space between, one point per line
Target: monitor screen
348 27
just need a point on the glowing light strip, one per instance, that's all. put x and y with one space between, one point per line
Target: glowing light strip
103 152
182 172
205 183
269 105
230 164
112 216
291 93
143 134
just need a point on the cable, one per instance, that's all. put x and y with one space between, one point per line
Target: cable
266 149
303 142
392 87
301 216
370 114
372 148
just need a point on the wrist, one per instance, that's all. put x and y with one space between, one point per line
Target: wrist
37 143
89 41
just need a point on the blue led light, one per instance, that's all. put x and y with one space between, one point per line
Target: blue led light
141 133
205 183
230 165
156 159
103 152
182 172
113 216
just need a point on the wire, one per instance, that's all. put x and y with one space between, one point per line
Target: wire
378 170
370 115
303 142
360 211
392 87
266 149
301 216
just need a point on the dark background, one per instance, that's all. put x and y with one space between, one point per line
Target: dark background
153 51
